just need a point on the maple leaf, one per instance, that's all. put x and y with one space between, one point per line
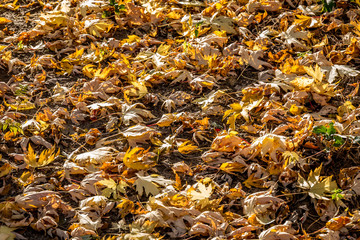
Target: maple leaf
90 5
97 156
139 134
113 188
21 106
187 147
268 144
4 20
228 142
291 36
235 111
253 181
141 230
134 113
136 89
139 159
252 58
201 193
232 167
316 186
262 207
150 184
6 233
316 74
46 157
5 169
98 27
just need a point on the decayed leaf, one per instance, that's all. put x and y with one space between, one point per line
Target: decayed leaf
262 207
139 134
292 36
135 113
90 5
97 156
279 232
337 223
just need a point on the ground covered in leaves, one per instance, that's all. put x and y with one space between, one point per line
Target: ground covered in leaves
171 119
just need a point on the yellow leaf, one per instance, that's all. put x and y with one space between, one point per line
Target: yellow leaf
139 159
132 39
26 178
6 233
228 142
173 15
46 157
125 207
231 167
163 49
235 111
254 182
89 70
109 183
138 90
220 33
345 109
21 106
290 158
5 169
317 74
30 156
295 110
187 147
302 20
58 19
302 83
4 20
98 28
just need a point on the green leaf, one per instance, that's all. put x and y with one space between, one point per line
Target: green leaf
338 141
337 195
117 10
330 129
320 130
328 5
196 33
112 2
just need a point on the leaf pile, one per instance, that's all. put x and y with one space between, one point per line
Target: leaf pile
178 119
